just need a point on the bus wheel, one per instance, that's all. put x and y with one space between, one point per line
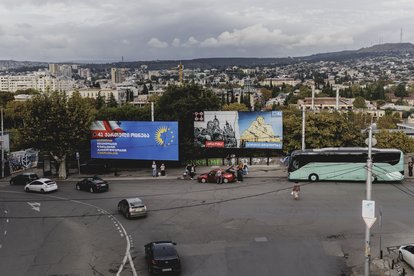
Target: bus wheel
313 177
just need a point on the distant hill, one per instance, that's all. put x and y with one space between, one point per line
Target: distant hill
387 49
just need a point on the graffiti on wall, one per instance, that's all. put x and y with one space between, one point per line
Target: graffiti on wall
23 160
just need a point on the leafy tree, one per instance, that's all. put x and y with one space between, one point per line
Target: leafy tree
266 94
145 90
126 112
359 102
388 121
178 103
400 91
100 101
235 107
397 139
29 91
58 125
112 101
6 97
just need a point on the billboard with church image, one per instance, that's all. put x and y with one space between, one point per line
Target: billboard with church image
233 129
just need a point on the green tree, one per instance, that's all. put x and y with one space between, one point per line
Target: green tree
400 91
388 121
235 107
266 94
100 101
395 139
359 102
58 125
112 101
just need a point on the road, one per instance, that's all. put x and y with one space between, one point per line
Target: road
249 228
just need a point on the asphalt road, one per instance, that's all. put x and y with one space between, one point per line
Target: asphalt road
249 228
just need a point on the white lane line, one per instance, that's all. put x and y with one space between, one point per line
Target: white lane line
7 220
5 232
1 246
5 211
128 247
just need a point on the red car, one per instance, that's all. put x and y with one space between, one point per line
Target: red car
227 175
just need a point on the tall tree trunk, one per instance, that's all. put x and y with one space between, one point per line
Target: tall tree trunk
62 165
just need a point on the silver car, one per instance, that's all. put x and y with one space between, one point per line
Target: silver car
132 207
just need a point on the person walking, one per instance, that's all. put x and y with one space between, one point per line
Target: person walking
219 176
192 171
410 168
295 191
154 169
162 169
240 172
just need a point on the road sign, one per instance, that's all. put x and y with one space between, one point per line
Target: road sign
368 209
369 222
374 142
77 155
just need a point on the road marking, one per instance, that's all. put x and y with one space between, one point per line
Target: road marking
7 220
260 239
5 232
35 205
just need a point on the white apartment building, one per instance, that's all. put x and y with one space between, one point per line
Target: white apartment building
40 82
119 95
279 82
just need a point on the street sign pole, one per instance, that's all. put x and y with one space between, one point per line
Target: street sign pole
368 198
78 157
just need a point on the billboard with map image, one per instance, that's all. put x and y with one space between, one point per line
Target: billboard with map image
233 129
134 140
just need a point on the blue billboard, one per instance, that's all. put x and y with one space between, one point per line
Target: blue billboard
134 140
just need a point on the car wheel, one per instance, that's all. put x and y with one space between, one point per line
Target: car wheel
203 180
119 209
313 177
91 190
225 180
128 215
42 191
27 190
77 187
400 256
150 270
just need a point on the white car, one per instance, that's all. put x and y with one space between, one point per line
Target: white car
406 253
42 185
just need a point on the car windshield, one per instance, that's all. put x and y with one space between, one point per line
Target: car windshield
164 250
96 178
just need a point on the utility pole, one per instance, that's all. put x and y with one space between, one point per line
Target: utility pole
313 98
303 126
152 111
368 198
2 145
337 99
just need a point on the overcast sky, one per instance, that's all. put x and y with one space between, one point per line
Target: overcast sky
106 30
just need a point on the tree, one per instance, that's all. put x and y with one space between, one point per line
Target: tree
100 101
397 139
388 121
112 101
359 102
266 94
400 91
58 125
145 89
235 107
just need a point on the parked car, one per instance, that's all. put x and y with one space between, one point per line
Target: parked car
406 253
227 175
161 256
42 185
132 207
95 167
23 178
92 184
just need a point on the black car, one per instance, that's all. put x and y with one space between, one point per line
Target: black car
23 178
92 184
162 257
95 167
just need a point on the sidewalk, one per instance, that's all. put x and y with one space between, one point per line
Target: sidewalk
256 171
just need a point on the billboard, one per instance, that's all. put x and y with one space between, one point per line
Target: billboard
134 140
234 129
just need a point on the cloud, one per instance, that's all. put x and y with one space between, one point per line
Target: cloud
156 43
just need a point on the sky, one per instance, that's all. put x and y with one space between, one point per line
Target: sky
107 30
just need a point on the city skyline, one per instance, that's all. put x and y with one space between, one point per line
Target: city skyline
63 30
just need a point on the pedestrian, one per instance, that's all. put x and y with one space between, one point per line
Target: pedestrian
154 169
245 169
219 176
240 172
192 171
162 169
295 191
410 168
